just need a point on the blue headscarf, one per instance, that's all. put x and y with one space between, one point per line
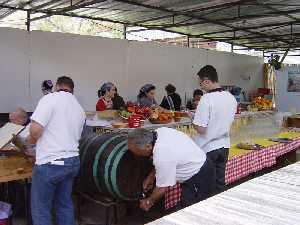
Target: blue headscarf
145 89
104 88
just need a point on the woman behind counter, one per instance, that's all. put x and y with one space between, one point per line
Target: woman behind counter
146 96
106 94
192 104
118 101
173 100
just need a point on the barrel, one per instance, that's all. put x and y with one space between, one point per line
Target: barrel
109 169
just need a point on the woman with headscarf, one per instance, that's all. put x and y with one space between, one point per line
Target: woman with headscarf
47 87
106 94
146 96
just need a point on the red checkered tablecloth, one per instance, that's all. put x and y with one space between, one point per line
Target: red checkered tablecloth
241 166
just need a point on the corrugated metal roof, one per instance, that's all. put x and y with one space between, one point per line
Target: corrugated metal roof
258 24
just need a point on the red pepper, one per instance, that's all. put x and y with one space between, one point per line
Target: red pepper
131 109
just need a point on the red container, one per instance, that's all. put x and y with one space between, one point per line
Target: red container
134 121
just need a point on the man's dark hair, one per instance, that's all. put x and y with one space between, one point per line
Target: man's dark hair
197 92
47 85
67 81
208 72
170 89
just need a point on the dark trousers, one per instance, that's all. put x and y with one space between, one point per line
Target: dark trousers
199 187
219 159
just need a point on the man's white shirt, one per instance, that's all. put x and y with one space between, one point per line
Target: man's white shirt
215 112
176 157
62 118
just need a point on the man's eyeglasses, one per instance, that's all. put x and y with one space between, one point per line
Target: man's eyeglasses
201 81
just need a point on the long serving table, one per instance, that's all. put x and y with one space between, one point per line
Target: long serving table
243 163
97 127
103 126
270 199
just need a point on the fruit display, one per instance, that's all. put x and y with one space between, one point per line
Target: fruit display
262 103
158 121
179 114
156 115
124 113
160 116
132 109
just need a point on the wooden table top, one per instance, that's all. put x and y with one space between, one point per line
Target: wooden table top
9 166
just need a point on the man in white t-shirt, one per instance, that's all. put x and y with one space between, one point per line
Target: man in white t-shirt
176 158
213 118
56 127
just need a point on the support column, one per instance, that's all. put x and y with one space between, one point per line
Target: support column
125 32
28 28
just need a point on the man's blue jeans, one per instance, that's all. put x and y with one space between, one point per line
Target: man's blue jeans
51 189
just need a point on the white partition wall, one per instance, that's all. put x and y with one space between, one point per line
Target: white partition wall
241 70
28 59
88 60
160 65
14 70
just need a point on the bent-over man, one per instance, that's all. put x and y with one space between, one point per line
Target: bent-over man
176 158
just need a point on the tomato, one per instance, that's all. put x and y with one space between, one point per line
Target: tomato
131 109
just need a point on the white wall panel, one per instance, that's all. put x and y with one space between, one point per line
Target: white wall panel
28 59
14 69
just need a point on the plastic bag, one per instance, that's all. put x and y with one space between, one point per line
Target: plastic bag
5 210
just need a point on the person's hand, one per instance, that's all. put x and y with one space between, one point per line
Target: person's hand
30 152
190 114
14 139
148 184
146 204
17 142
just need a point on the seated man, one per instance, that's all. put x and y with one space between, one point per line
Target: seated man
20 117
176 158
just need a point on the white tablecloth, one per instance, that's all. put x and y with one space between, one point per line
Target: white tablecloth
272 199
